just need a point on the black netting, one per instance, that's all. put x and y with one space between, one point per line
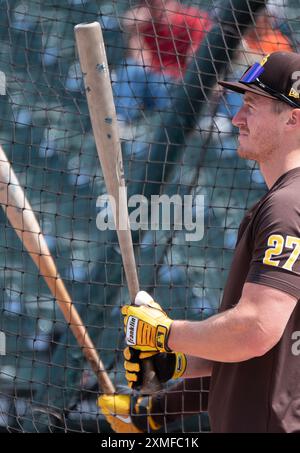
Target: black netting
177 139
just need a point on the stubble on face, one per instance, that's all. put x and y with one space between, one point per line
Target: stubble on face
259 137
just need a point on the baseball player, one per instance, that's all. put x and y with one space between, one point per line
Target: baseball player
251 348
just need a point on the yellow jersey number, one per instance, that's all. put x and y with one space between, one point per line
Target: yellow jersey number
276 243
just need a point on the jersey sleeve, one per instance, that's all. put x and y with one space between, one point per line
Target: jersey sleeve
276 246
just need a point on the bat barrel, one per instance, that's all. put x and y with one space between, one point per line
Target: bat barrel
94 66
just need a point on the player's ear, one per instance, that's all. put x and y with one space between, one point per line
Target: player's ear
293 119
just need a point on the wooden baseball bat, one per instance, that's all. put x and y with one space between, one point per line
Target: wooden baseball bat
21 216
93 61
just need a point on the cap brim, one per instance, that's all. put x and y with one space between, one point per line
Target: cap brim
242 88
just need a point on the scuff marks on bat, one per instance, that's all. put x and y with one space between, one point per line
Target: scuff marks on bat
120 169
101 67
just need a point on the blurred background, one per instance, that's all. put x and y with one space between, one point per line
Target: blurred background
177 138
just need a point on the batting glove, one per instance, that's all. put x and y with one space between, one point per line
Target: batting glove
127 413
146 325
167 366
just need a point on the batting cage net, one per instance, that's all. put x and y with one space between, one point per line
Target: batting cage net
179 150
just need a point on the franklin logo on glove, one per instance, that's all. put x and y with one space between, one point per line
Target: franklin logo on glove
131 330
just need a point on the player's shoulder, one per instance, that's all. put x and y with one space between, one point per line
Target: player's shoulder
286 190
280 207
284 194
282 202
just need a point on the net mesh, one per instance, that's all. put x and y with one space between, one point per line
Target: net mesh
177 139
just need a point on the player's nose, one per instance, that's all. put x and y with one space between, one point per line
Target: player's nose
239 118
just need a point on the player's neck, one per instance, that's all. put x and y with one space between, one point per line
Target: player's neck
272 170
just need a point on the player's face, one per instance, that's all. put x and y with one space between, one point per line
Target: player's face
259 131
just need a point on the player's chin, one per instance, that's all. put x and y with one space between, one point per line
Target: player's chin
245 153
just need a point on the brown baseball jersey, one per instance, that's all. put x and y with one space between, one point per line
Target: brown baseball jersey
263 394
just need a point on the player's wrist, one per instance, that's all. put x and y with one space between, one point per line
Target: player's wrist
162 336
171 338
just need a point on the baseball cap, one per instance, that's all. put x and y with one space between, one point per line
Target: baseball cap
277 76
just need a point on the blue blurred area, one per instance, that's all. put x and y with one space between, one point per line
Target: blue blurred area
138 89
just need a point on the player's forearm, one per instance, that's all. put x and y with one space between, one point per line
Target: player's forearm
232 336
197 367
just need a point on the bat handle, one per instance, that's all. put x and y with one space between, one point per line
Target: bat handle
150 383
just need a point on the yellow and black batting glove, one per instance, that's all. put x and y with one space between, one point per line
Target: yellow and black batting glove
146 325
128 413
170 365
